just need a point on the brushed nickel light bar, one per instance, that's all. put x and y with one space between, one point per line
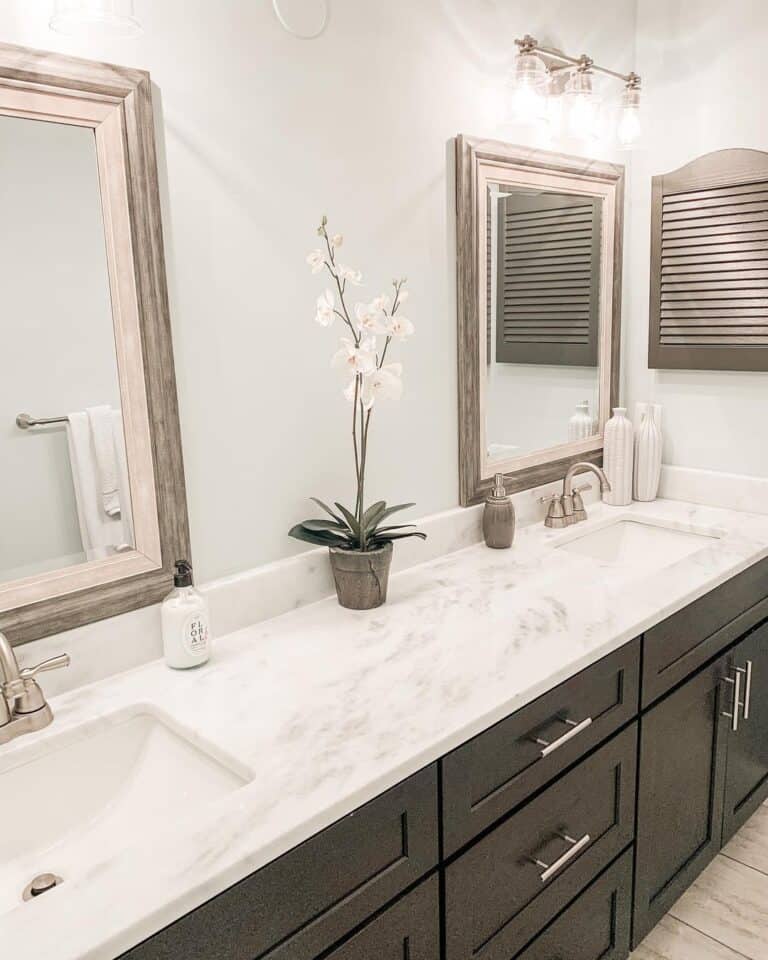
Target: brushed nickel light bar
534 80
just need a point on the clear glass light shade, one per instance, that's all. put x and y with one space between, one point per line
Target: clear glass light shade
114 18
582 105
528 83
531 71
630 127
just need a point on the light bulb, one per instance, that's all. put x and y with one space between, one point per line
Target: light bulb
528 104
630 127
528 87
583 107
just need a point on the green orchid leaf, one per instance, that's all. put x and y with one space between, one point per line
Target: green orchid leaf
318 525
352 523
397 526
320 538
327 509
390 510
376 541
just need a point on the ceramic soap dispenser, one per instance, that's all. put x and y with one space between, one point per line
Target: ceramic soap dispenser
499 517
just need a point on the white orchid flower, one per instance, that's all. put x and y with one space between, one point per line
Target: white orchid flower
370 318
345 273
380 303
356 359
325 308
336 240
382 384
399 327
316 260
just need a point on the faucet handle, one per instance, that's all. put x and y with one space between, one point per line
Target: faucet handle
52 663
549 498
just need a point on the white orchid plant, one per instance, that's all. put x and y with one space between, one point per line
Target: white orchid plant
369 330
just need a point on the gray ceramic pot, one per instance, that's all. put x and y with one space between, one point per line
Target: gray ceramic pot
361 577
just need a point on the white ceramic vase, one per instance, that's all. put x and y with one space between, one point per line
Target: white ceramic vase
648 443
618 457
581 424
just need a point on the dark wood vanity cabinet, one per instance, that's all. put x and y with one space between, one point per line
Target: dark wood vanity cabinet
683 741
746 777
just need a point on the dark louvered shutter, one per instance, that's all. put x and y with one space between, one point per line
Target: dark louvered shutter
548 279
709 264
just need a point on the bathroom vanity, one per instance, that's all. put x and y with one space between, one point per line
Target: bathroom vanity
524 841
527 753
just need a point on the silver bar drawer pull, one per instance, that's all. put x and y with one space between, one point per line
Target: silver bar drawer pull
747 671
550 869
733 716
575 728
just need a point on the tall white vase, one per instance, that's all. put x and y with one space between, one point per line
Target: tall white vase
618 456
648 443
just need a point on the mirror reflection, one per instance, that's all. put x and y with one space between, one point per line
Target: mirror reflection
64 494
542 318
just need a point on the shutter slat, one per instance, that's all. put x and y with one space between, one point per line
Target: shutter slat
719 340
684 275
724 207
679 197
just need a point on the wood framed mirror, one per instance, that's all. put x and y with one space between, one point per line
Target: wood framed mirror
92 499
539 261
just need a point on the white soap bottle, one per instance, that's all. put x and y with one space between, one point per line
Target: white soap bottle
185 622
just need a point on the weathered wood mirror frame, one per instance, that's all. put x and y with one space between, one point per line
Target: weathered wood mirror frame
115 102
477 162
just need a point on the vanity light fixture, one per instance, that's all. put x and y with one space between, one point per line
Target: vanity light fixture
115 18
547 83
529 83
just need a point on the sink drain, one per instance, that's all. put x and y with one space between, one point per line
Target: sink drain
41 884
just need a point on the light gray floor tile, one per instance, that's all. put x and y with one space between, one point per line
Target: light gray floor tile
672 940
729 903
750 845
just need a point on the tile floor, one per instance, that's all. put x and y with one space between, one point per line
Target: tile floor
724 915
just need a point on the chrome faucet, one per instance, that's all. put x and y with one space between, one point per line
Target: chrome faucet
568 507
23 707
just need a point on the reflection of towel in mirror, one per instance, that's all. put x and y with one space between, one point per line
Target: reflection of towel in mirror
103 434
102 534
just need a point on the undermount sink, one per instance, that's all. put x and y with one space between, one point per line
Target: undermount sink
635 546
69 807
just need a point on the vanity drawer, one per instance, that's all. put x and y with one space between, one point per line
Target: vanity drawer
596 926
682 643
310 898
499 769
409 930
498 899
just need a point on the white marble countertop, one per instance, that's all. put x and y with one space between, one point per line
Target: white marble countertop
327 708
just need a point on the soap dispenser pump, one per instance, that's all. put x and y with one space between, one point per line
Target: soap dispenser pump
499 517
185 622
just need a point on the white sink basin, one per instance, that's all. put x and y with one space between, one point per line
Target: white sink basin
634 546
95 793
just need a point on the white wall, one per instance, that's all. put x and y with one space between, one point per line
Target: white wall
703 69
58 352
262 134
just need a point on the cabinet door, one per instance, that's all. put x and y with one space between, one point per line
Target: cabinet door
410 930
683 742
746 780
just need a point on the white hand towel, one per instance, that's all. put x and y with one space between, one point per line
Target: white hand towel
102 427
102 535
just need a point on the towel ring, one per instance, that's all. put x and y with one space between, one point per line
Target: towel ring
298 33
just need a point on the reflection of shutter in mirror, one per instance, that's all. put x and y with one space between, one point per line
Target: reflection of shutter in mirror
548 276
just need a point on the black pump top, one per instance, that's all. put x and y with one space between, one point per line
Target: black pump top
183 575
